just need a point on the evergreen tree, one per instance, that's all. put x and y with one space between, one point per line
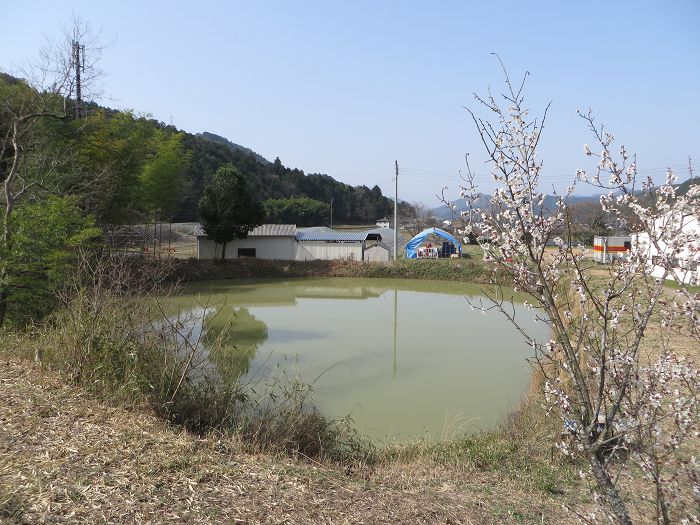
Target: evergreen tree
227 209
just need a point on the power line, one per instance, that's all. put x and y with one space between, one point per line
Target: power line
438 175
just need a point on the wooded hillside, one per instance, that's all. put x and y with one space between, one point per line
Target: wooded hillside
129 168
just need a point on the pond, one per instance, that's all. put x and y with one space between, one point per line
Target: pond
405 359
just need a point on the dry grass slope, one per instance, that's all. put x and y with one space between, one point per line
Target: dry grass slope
66 458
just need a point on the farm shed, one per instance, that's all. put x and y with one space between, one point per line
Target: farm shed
268 241
609 249
286 242
327 244
377 252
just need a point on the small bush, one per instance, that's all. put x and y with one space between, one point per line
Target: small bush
283 419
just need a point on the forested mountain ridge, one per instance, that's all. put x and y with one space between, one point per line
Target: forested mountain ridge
129 168
272 180
223 140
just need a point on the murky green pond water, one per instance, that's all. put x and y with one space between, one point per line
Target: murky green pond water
403 358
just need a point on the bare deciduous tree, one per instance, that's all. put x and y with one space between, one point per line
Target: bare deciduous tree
418 220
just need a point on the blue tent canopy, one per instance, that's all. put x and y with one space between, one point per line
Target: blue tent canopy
413 244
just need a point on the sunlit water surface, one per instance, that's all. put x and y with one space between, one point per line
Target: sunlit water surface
404 359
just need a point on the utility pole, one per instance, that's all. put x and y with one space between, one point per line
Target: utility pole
690 167
331 213
78 65
396 215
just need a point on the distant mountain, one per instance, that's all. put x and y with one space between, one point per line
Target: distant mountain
121 198
235 147
9 78
444 212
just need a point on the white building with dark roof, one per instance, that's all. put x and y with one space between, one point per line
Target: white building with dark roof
268 241
286 242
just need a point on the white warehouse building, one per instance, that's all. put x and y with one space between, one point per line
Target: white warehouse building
684 264
287 242
269 241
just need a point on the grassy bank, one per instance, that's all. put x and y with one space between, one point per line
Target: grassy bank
519 449
462 270
66 457
147 367
113 338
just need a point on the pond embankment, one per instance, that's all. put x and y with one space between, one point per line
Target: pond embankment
67 458
467 269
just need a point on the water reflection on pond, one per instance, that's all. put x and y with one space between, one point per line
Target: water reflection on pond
404 358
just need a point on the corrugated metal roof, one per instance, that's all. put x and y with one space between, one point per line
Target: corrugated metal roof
274 230
265 230
315 234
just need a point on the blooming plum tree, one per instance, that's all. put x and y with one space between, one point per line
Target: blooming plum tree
625 407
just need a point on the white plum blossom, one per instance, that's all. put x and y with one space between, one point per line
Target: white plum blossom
612 399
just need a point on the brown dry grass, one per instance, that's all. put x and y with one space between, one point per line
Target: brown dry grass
66 458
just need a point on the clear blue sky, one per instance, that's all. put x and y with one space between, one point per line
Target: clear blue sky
345 88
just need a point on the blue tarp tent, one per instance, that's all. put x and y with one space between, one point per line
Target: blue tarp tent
413 244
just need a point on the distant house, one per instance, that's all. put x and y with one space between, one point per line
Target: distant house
684 264
383 223
289 243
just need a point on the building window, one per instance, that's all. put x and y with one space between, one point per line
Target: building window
246 252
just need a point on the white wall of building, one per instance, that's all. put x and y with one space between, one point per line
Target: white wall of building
686 267
377 253
288 248
312 250
265 248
